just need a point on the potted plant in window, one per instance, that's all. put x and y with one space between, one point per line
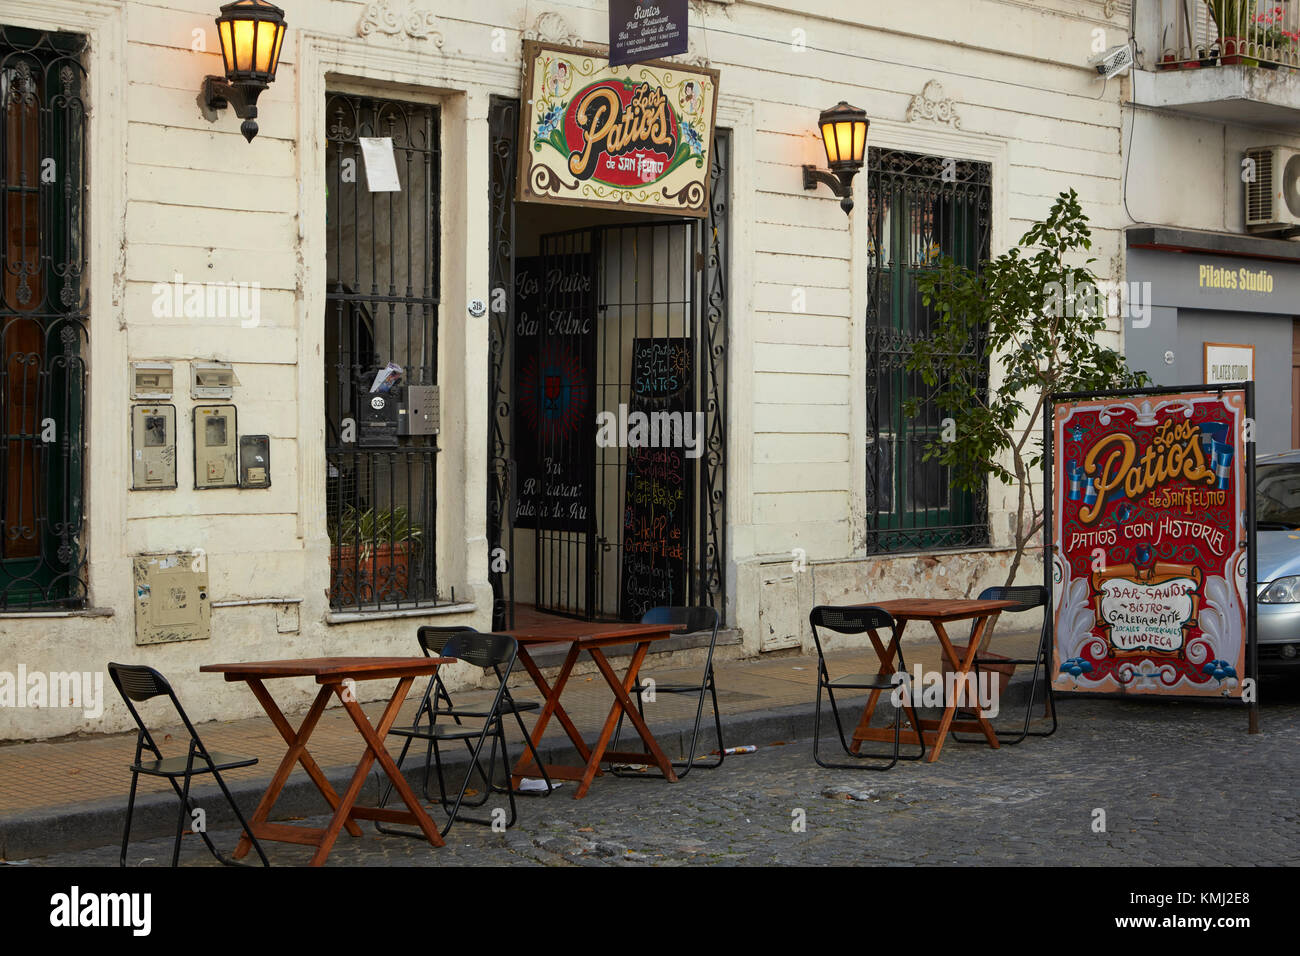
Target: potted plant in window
371 553
1232 17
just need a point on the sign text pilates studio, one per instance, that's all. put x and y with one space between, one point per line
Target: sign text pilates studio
1240 280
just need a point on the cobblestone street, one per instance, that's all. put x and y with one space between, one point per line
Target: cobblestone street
1178 783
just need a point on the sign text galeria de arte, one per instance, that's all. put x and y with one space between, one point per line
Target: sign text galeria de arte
632 137
1149 542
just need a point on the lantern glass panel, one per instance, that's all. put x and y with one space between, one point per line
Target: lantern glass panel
244 37
227 45
275 56
844 140
828 140
265 45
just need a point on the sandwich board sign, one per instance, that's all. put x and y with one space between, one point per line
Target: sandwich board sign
1151 560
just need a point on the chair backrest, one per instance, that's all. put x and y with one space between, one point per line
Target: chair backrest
434 639
850 620
686 619
1027 596
846 620
481 650
137 683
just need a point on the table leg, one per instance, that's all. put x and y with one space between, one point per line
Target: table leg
962 667
375 750
623 703
552 706
986 726
886 667
297 752
308 762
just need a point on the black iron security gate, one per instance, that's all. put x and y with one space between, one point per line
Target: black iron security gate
381 354
607 378
922 208
44 313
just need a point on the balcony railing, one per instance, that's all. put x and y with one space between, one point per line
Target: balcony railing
1213 33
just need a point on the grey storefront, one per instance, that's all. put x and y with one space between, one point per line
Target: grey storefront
1227 292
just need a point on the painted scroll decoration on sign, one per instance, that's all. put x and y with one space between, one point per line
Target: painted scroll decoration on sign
1149 554
636 136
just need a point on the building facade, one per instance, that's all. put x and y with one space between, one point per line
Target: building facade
1208 136
205 323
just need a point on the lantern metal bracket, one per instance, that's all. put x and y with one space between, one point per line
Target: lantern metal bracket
841 184
219 92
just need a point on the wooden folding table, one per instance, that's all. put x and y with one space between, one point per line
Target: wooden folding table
336 675
938 611
590 636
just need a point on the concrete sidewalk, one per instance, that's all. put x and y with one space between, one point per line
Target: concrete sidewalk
71 794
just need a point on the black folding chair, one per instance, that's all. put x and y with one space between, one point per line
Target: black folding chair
687 620
137 683
437 702
1027 597
857 620
492 652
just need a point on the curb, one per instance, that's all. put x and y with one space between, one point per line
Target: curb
91 824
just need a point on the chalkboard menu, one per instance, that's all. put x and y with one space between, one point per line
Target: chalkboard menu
658 499
555 387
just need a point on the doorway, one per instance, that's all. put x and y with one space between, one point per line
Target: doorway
607 384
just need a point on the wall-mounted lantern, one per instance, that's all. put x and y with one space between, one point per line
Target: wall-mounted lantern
844 134
251 33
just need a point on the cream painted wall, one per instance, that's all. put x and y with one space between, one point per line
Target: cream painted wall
173 192
1186 171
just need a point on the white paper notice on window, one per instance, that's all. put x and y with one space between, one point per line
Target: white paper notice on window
381 167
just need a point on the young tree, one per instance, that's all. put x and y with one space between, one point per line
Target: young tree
1038 318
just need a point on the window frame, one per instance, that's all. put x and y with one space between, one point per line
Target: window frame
894 445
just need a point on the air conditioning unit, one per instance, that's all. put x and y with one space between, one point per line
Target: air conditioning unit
1273 198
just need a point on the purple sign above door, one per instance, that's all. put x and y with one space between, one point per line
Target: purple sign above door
641 30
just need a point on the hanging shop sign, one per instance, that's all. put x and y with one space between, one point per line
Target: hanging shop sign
641 30
1228 364
634 137
1151 496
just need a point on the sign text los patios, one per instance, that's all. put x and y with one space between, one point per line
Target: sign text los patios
595 135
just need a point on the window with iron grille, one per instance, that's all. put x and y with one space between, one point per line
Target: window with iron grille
381 354
921 208
44 308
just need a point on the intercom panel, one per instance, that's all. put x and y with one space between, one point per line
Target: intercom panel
215 446
419 416
255 461
153 447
